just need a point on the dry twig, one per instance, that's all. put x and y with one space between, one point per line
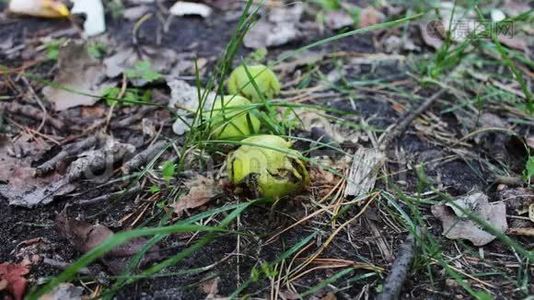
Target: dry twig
143 156
402 126
69 150
399 270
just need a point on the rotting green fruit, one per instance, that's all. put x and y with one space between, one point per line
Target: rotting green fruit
267 172
233 118
265 80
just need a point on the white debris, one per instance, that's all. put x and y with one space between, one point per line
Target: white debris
182 8
497 15
184 98
95 21
278 28
365 167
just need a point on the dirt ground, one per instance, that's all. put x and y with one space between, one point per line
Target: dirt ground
368 91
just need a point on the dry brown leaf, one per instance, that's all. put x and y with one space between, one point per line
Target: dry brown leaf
79 78
201 190
329 296
315 119
210 288
85 237
322 181
12 279
289 295
17 181
515 42
458 226
162 60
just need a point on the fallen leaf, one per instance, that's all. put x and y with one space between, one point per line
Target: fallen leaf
17 182
85 237
160 60
322 181
514 42
289 295
39 8
210 288
79 79
370 16
461 227
64 291
93 10
93 112
329 296
279 27
12 279
122 59
182 8
201 190
315 119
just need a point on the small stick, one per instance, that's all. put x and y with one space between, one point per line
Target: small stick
509 180
63 265
69 150
399 270
402 126
126 122
39 102
143 156
30 112
521 231
133 191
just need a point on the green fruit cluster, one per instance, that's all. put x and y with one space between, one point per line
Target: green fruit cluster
265 164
